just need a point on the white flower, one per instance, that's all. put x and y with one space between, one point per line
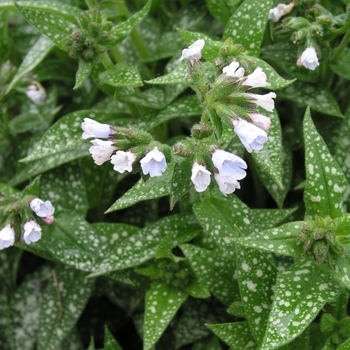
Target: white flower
122 161
227 184
41 208
309 58
260 121
229 164
277 12
36 93
92 128
101 150
7 237
232 70
193 52
200 177
252 137
265 101
153 163
256 79
32 232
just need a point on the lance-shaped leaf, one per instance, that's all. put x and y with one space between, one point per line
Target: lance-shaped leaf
121 75
162 302
247 25
154 187
55 7
315 96
109 342
214 272
281 240
142 246
56 27
62 303
123 29
83 72
33 57
269 158
220 9
237 335
342 269
300 294
326 183
256 278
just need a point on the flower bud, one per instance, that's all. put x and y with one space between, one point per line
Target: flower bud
94 29
201 131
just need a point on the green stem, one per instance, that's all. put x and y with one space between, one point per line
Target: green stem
118 57
343 44
91 3
106 60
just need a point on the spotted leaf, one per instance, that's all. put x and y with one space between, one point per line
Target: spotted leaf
247 25
62 303
326 183
300 294
162 302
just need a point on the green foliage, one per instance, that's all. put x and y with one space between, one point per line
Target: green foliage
148 246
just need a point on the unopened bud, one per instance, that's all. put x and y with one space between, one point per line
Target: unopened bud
201 131
48 219
320 250
94 29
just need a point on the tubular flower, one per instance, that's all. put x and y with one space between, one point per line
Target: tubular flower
277 12
101 150
200 177
36 93
260 121
256 79
41 208
229 164
252 137
193 52
92 128
153 163
232 70
309 58
227 184
265 101
122 161
32 232
7 237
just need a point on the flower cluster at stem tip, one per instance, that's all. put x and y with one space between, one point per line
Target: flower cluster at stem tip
26 220
127 152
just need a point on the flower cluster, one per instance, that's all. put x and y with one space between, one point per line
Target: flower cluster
30 227
121 148
229 169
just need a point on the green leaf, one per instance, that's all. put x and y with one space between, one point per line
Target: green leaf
34 56
342 268
121 75
109 342
342 67
219 9
174 77
123 29
277 193
256 278
83 72
162 302
55 7
345 345
326 184
154 187
269 159
142 246
207 344
56 27
62 303
237 335
300 294
196 290
214 271
315 96
247 25
281 240
181 180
